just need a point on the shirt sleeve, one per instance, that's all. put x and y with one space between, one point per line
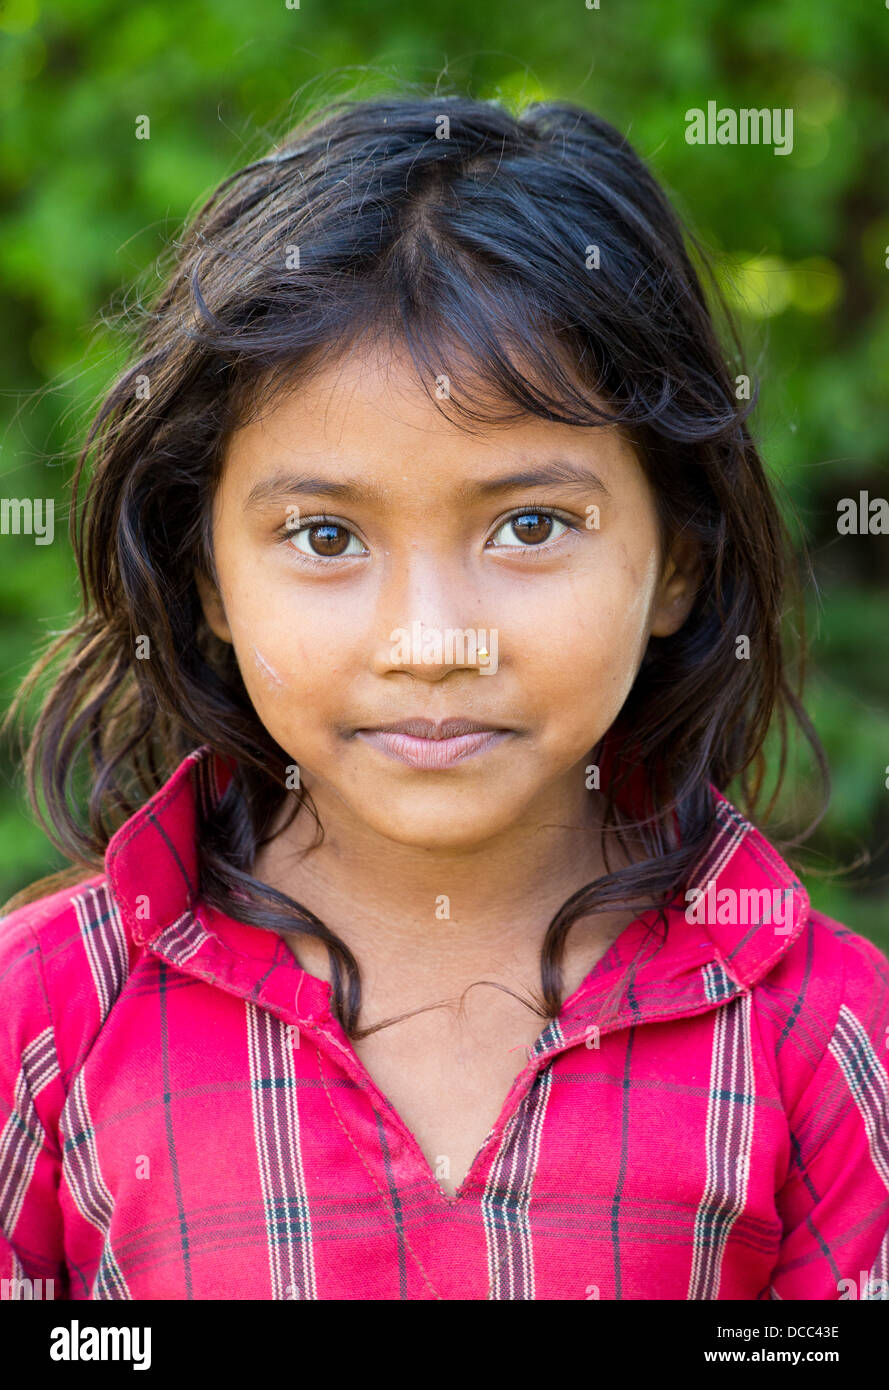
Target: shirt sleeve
835 1202
31 1095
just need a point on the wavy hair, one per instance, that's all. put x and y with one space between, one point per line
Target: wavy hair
538 257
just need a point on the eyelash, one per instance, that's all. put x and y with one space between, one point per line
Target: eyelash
286 532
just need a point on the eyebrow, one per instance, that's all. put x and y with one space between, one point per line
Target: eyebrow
568 476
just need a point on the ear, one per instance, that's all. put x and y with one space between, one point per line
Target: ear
211 602
677 589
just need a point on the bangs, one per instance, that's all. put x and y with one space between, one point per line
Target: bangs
485 351
482 268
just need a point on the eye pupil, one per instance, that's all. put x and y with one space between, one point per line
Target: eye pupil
329 543
538 530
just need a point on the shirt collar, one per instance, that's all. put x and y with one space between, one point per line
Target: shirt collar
152 860
152 867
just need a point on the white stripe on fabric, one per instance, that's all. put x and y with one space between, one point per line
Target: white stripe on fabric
728 1141
276 1133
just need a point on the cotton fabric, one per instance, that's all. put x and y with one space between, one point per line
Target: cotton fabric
181 1117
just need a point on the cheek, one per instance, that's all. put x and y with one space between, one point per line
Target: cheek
588 635
267 670
279 649
597 617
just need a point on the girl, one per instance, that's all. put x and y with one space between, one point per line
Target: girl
432 590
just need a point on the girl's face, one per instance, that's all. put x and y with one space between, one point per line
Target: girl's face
367 548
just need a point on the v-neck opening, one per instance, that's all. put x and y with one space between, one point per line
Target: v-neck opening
311 1004
523 1080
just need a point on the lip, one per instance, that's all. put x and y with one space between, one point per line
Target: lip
433 753
428 729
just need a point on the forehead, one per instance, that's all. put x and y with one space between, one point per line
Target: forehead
371 411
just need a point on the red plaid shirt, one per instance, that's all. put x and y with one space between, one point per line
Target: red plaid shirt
183 1118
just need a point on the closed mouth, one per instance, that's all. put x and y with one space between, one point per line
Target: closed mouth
422 728
434 753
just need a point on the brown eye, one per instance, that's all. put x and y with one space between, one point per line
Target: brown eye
324 540
530 527
328 539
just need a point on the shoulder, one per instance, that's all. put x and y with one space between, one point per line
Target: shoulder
825 1007
829 964
63 961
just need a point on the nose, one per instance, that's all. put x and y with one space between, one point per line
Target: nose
428 618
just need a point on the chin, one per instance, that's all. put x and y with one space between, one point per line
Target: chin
440 829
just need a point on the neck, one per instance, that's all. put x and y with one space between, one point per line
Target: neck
419 920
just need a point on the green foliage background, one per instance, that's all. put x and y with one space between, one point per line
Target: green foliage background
801 244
